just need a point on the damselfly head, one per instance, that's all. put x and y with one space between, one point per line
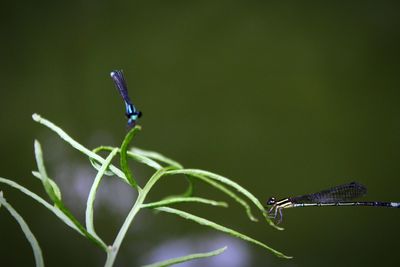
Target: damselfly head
271 201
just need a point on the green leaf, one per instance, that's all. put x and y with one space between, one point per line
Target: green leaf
229 193
144 160
53 184
59 210
187 258
37 252
40 200
96 165
176 200
232 194
139 158
224 180
48 186
124 161
93 191
57 201
170 162
220 228
76 145
156 156
95 239
151 159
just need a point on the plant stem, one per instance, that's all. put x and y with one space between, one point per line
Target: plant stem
112 251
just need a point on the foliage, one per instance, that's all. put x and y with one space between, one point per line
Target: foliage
163 167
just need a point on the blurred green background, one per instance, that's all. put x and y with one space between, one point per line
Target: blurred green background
284 98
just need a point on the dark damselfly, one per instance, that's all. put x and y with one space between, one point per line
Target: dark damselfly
130 110
336 196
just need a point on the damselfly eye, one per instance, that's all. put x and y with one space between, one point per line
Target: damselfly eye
271 201
140 114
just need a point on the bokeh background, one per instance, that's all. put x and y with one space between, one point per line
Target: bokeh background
284 98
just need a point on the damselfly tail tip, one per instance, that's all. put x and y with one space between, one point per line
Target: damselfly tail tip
114 73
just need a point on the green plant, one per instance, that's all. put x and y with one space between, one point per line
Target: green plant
163 166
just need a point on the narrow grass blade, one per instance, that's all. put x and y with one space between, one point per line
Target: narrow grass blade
187 258
224 180
95 239
75 144
40 200
57 201
136 157
156 156
176 200
220 228
97 165
144 160
93 191
48 186
37 252
230 193
124 157
169 162
56 189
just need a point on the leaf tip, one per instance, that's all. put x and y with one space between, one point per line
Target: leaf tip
253 219
36 117
286 257
276 226
1 196
37 146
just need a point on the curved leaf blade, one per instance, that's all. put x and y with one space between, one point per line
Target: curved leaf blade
187 258
48 186
176 200
224 180
56 189
221 228
37 252
47 205
156 156
93 191
124 158
36 117
227 191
